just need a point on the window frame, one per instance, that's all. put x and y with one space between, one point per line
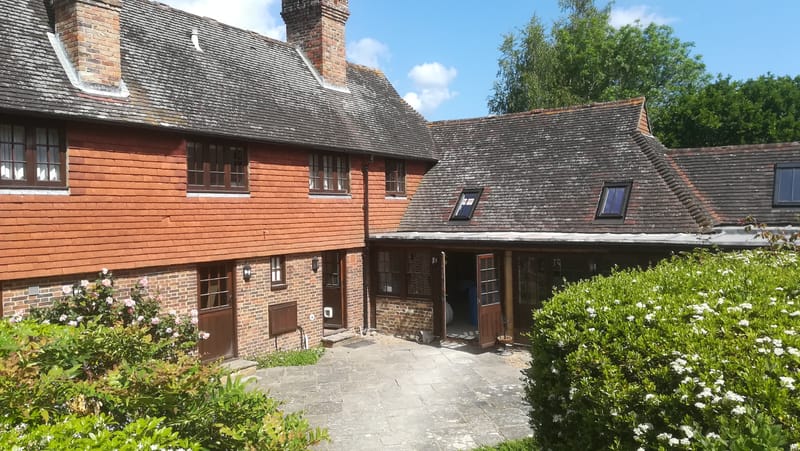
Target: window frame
601 202
228 162
780 167
280 282
225 271
327 166
457 214
30 154
395 177
404 273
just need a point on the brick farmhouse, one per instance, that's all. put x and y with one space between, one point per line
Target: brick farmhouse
286 193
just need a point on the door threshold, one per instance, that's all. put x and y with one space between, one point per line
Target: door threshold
331 331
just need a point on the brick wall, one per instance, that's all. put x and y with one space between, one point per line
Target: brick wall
254 298
403 317
355 290
175 287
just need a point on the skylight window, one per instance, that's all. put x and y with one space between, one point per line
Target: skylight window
466 204
613 200
787 185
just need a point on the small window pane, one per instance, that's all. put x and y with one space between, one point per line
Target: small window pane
278 271
467 202
613 201
787 185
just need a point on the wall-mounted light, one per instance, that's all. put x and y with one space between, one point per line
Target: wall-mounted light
247 272
315 264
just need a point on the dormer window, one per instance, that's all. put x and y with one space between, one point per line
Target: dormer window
613 200
787 185
466 204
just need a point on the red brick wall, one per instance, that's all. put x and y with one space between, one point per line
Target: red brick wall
175 287
254 298
403 317
355 290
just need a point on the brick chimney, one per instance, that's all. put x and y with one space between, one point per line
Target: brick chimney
89 32
317 27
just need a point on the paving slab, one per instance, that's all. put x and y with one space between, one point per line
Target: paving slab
393 394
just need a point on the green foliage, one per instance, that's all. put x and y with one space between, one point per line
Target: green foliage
90 373
300 357
728 112
584 59
700 351
92 432
525 444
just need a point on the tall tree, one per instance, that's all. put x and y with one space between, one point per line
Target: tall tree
584 59
761 110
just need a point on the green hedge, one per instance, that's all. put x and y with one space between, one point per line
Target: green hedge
699 352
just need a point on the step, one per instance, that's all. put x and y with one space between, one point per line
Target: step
241 367
340 339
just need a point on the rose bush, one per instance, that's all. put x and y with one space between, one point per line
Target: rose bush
699 352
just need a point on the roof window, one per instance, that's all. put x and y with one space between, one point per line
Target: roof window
613 200
787 185
466 204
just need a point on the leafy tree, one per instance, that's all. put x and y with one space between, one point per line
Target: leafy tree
726 112
584 59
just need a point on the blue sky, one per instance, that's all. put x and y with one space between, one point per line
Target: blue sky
441 55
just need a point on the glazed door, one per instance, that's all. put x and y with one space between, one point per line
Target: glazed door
490 312
333 287
216 311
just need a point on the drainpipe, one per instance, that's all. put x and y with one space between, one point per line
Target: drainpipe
365 257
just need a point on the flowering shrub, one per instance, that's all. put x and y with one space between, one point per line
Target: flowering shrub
97 302
123 374
700 352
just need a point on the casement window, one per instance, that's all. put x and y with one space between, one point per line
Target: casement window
328 173
395 177
277 266
216 167
787 185
404 273
613 200
32 155
215 286
467 202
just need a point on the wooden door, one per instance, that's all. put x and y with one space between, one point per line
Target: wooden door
216 311
531 288
333 289
439 294
490 311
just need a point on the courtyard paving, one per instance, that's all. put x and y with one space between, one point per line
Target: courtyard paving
384 393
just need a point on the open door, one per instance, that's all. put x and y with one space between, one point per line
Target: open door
439 294
490 311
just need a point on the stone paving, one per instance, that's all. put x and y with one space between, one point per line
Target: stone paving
385 393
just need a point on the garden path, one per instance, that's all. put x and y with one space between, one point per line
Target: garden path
384 393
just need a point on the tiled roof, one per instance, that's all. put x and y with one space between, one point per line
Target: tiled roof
241 85
737 181
543 171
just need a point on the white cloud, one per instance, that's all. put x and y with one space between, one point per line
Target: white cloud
248 14
641 13
431 86
367 51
